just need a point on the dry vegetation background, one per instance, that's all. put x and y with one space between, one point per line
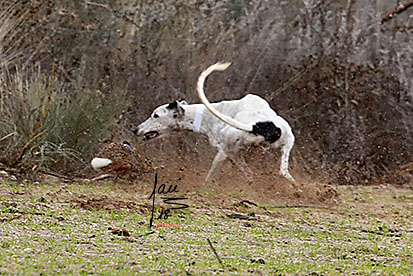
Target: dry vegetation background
74 74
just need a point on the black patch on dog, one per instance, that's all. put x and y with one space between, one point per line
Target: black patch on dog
267 129
173 105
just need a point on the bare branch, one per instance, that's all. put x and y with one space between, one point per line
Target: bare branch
8 135
27 145
399 9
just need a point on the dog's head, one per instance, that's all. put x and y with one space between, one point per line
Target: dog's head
163 119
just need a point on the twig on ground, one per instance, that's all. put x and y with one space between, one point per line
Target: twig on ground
381 233
146 234
100 177
57 175
241 216
215 252
298 206
243 202
14 211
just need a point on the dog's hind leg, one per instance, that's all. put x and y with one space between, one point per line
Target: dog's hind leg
221 156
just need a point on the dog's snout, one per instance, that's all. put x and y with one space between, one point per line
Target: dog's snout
135 131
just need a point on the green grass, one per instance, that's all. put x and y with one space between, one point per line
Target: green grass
44 230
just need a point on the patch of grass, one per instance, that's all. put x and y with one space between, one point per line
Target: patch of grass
43 231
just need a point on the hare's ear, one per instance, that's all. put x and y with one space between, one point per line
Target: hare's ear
183 102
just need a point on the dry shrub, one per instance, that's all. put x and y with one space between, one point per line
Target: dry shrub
47 121
49 124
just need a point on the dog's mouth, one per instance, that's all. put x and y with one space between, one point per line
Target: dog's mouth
150 135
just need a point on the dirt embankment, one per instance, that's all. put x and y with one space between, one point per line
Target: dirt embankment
187 169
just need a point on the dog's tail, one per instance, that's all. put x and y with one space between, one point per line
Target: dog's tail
218 67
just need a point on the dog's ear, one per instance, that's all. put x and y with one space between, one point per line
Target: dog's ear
172 105
177 107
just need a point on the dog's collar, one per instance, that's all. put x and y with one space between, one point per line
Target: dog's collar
198 117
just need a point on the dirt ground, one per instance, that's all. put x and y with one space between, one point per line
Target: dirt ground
102 228
268 226
187 169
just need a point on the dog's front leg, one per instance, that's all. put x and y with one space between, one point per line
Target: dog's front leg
221 156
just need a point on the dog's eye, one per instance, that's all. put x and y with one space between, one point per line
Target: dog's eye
155 115
175 115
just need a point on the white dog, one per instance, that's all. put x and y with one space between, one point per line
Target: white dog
229 125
